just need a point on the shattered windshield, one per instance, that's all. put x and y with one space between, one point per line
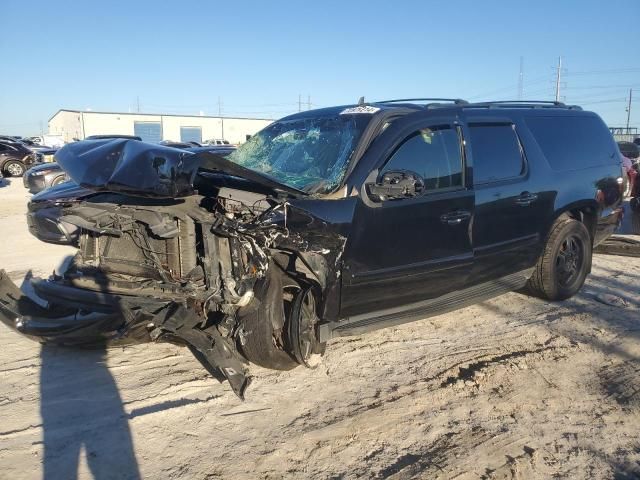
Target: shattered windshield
310 154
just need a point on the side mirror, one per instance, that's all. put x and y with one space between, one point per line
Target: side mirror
395 185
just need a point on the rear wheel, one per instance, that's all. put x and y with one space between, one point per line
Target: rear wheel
564 263
13 168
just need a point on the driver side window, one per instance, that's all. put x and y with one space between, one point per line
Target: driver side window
434 154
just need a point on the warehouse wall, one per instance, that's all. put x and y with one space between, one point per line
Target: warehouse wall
67 124
75 124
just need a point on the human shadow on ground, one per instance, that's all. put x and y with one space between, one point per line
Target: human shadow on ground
81 408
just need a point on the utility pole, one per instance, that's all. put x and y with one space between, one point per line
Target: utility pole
299 102
558 78
629 108
138 102
308 102
521 79
221 118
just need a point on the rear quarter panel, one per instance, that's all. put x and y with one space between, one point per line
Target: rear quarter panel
592 189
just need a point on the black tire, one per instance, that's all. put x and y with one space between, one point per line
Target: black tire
262 342
13 168
564 263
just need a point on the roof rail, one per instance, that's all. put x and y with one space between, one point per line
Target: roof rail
456 101
523 104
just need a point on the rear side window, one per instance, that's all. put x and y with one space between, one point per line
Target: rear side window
496 152
573 142
433 153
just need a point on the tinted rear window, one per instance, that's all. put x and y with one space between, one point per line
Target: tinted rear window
576 142
496 152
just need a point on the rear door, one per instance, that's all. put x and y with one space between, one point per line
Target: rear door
508 206
404 250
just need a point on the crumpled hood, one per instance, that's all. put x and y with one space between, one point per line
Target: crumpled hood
130 166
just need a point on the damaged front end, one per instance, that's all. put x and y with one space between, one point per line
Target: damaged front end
209 267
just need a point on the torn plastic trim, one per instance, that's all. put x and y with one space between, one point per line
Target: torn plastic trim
219 357
74 297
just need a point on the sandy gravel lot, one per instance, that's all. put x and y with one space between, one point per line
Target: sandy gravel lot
511 388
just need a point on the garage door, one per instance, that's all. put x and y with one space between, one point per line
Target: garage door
148 131
191 134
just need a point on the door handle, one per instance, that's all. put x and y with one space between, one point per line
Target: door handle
455 218
526 199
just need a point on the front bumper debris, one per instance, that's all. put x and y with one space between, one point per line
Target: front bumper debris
57 324
113 320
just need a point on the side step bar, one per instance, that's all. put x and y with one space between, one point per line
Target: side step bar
359 324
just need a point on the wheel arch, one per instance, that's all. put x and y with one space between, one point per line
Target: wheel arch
307 268
585 211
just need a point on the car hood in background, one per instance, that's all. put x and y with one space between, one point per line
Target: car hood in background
51 166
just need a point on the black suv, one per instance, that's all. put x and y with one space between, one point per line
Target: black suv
326 223
15 158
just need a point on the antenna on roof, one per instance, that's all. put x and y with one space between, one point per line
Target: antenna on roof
361 101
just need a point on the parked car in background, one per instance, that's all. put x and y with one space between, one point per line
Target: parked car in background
35 147
43 176
114 135
171 143
15 158
54 141
45 154
222 150
216 141
630 153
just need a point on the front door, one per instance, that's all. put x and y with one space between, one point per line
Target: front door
413 245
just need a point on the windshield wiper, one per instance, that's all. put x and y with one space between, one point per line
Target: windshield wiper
216 163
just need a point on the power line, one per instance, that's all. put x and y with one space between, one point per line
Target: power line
604 87
610 100
511 87
600 72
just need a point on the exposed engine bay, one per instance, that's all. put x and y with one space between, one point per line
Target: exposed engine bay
224 271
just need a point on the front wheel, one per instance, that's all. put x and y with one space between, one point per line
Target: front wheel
277 329
564 263
13 168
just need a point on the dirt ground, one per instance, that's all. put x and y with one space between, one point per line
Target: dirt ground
510 388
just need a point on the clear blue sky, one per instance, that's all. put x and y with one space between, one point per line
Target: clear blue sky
257 56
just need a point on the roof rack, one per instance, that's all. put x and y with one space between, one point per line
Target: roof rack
456 101
523 104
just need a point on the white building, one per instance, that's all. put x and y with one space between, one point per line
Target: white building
78 124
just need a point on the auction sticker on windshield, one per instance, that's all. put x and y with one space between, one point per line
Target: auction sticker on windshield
359 109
